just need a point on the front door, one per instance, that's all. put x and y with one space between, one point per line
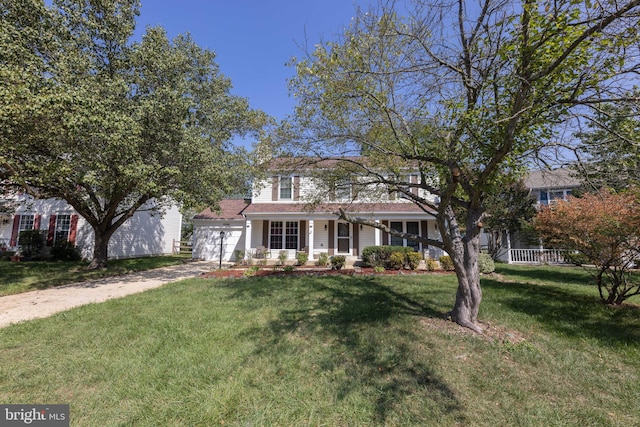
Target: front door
344 237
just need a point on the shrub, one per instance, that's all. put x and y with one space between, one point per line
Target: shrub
251 271
32 242
238 255
338 261
323 259
302 258
413 259
432 264
380 255
288 268
396 261
65 251
378 269
576 258
282 257
486 264
446 263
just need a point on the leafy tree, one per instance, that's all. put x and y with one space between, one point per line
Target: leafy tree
605 228
610 150
110 125
464 93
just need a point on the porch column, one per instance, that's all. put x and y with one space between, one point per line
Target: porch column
377 235
247 237
310 239
508 247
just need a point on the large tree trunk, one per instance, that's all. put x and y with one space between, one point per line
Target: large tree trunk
464 251
100 249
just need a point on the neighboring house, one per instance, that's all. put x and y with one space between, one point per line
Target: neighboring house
548 186
279 218
144 234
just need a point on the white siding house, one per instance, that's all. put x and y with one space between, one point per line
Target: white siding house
144 234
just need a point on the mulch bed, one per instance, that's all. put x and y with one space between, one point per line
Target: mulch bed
236 272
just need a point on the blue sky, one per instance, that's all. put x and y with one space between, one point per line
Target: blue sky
253 39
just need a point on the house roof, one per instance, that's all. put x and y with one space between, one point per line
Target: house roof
557 178
229 209
259 208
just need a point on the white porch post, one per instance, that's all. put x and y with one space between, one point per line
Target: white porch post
508 247
377 235
310 239
247 237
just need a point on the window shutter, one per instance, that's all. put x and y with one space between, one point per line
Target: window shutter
303 234
385 235
265 233
73 229
52 230
332 225
296 188
424 225
14 230
414 180
274 188
36 221
356 239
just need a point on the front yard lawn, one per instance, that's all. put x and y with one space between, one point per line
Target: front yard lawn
335 351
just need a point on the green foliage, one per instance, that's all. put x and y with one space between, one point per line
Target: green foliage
576 258
110 125
282 257
486 264
432 264
251 271
378 269
65 251
289 268
323 259
32 243
413 259
446 263
396 261
238 255
302 258
338 261
380 255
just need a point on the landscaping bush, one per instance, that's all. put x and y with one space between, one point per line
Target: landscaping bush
432 264
413 259
396 261
238 255
323 259
486 264
379 255
338 261
446 263
576 258
65 251
302 258
289 268
282 257
32 243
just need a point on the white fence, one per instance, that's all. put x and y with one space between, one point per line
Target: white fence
538 256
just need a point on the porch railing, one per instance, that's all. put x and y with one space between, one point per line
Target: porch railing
539 256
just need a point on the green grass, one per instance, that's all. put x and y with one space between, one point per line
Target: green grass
20 277
335 351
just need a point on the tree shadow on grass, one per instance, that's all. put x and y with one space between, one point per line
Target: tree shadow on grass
559 275
569 313
367 345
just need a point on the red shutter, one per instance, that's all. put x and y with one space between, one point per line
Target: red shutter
14 230
414 180
303 234
356 239
36 222
52 230
265 233
73 230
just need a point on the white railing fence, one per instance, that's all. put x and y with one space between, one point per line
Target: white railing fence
539 256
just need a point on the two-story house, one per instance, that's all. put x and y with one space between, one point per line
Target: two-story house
280 217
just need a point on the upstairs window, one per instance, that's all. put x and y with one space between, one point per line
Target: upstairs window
286 185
